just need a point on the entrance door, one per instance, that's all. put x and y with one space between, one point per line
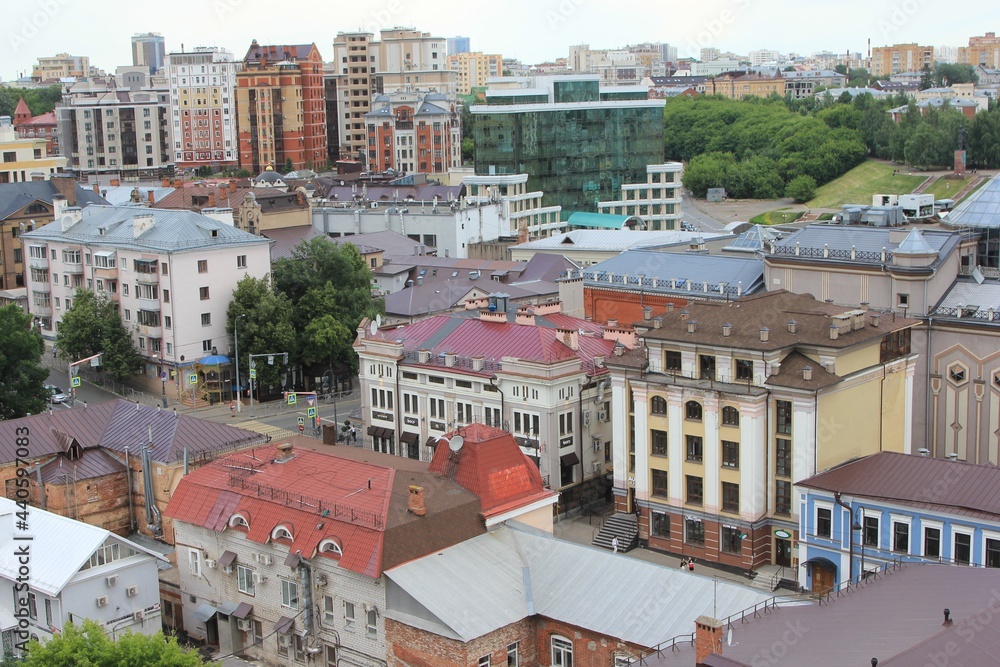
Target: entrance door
631 500
823 579
782 552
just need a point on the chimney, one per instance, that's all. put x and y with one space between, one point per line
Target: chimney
670 306
416 249
570 338
284 452
66 186
525 316
707 638
692 326
657 322
300 198
647 313
164 183
211 200
232 185
685 315
141 222
792 326
599 361
151 196
834 332
423 356
449 359
612 323
727 329
807 373
416 502
420 280
765 334
115 183
947 617
875 319
96 188
478 363
178 183
953 456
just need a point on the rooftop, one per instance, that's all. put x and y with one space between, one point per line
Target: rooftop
862 244
971 300
16 196
980 209
612 240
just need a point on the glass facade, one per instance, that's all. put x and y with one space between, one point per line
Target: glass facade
576 156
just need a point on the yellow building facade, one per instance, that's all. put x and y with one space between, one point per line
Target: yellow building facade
889 60
474 69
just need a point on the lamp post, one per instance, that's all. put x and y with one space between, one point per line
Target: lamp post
236 356
163 381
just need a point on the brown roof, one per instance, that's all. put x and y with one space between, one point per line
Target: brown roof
951 486
791 374
91 464
265 54
773 310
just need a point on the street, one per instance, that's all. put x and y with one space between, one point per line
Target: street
87 393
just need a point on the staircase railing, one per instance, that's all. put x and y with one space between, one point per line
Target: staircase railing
776 579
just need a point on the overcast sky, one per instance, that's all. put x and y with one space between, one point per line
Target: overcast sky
531 30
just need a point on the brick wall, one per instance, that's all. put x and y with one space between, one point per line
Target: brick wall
409 647
625 306
590 649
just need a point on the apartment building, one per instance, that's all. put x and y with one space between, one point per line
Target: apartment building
62 66
25 158
42 126
172 273
529 219
981 51
109 129
657 202
148 50
413 133
728 405
889 60
536 373
737 85
474 69
281 108
203 107
803 83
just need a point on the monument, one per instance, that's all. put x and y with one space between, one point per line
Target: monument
963 144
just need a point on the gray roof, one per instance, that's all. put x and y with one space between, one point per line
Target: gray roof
840 240
671 272
753 239
971 300
15 196
981 209
854 92
428 108
121 195
525 572
173 230
915 244
613 240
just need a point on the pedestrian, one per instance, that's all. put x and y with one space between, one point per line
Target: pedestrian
614 544
684 564
354 434
232 408
691 565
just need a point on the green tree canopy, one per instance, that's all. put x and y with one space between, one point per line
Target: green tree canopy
89 646
22 378
801 188
92 325
262 318
39 100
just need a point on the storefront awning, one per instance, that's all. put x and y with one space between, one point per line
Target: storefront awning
569 460
292 560
431 442
373 429
283 625
410 438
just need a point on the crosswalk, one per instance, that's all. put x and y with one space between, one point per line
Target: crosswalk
274 432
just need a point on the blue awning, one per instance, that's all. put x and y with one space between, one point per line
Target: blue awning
214 360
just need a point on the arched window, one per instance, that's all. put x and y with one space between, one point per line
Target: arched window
331 546
239 520
281 533
692 410
730 416
658 405
562 651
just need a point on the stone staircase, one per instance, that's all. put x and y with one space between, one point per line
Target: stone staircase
622 526
771 577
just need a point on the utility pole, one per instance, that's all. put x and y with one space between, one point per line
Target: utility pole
236 357
74 378
253 370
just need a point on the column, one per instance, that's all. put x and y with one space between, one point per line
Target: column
710 453
619 431
675 446
641 442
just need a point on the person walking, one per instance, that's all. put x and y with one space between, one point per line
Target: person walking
691 565
614 544
232 409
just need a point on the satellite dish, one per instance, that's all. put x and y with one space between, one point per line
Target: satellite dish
729 637
373 327
455 444
378 320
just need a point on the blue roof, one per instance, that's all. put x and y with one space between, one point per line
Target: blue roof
676 272
214 360
599 220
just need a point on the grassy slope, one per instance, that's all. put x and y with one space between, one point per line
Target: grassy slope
859 184
947 188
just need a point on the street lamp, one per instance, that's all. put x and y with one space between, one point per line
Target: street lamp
163 381
236 347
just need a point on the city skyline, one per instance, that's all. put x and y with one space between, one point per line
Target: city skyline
531 32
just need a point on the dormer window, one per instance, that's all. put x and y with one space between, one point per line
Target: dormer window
281 533
75 451
238 520
332 547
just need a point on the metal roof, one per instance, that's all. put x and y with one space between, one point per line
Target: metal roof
59 548
599 220
525 572
671 272
15 196
754 239
868 242
615 240
975 300
172 231
915 244
980 209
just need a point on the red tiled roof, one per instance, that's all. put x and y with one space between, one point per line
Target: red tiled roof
48 118
22 108
491 465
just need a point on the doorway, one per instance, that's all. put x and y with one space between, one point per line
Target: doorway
631 501
782 552
824 578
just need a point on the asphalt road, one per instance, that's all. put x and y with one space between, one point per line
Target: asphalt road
87 392
702 221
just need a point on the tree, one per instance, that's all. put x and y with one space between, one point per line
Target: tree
926 78
948 74
21 375
801 188
289 166
89 646
92 326
262 318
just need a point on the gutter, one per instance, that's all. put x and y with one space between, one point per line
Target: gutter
850 534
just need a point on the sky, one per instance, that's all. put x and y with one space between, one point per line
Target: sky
531 30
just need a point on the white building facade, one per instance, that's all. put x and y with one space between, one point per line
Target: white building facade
203 106
657 201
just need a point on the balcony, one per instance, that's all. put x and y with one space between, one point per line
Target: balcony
41 311
150 332
73 269
147 278
151 305
38 262
108 273
41 287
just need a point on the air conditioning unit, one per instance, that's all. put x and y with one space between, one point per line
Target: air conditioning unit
210 564
111 581
102 601
602 415
586 418
597 466
259 578
132 591
227 569
243 624
265 559
283 640
138 615
597 444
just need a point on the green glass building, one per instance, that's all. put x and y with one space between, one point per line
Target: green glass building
577 142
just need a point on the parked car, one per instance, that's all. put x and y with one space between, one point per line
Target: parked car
57 394
687 226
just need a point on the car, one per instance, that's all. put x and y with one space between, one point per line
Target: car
687 226
57 394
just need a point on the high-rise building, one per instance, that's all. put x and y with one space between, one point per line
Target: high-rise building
474 69
577 142
709 54
669 52
203 107
414 133
456 45
983 51
148 50
281 111
889 60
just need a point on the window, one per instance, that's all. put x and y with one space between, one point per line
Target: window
349 618
731 538
992 553
241 261
695 451
870 531
783 497
694 532
658 406
659 483
903 300
730 497
329 615
484 661
706 365
730 416
730 454
163 268
932 542
206 345
513 658
371 623
562 652
695 490
166 296
206 319
194 562
244 579
744 369
901 536
671 360
289 594
203 293
660 524
963 548
783 457
202 266
659 442
692 410
566 423
824 522
124 288
784 410
894 345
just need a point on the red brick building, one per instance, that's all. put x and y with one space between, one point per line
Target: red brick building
414 133
36 127
281 108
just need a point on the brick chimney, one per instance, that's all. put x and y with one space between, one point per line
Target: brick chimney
283 451
416 502
707 638
66 186
570 338
152 197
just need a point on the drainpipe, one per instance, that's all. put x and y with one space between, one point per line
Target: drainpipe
128 487
41 487
850 535
503 412
305 582
398 410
